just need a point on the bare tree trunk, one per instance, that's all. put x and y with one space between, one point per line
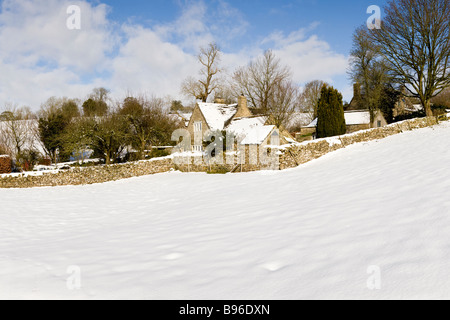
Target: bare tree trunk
427 105
142 151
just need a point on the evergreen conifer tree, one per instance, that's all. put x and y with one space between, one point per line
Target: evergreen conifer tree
330 114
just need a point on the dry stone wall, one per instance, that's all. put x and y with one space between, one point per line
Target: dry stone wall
301 153
89 175
230 163
289 157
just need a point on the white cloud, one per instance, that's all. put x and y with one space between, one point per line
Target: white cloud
148 63
190 30
309 57
40 57
33 31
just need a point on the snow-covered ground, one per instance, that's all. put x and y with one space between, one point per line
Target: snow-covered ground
309 232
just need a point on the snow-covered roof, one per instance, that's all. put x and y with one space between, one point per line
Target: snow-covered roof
175 117
351 118
242 125
357 117
257 135
415 108
313 124
185 117
216 115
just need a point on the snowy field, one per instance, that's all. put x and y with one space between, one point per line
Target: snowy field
310 232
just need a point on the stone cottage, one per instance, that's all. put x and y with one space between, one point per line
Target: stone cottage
237 119
356 115
403 107
355 121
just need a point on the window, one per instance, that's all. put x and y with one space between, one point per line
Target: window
379 124
198 148
275 139
198 126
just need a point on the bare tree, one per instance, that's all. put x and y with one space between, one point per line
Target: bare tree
310 96
3 149
209 58
368 69
283 103
259 80
269 87
17 129
51 106
225 90
99 94
414 39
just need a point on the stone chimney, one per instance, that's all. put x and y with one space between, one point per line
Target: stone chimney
219 100
242 111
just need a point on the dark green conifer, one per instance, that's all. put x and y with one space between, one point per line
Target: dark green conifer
330 111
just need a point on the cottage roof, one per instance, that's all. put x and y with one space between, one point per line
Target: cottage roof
216 115
351 118
241 125
313 124
257 135
251 129
185 116
415 108
357 117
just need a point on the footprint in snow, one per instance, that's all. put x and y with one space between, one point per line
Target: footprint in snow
173 256
273 266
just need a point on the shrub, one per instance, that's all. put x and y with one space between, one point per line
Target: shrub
439 110
218 170
84 164
45 161
157 153
27 159
409 116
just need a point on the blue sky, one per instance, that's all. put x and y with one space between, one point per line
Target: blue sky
336 19
149 46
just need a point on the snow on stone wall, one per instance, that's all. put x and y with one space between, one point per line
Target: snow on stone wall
88 175
300 153
289 157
